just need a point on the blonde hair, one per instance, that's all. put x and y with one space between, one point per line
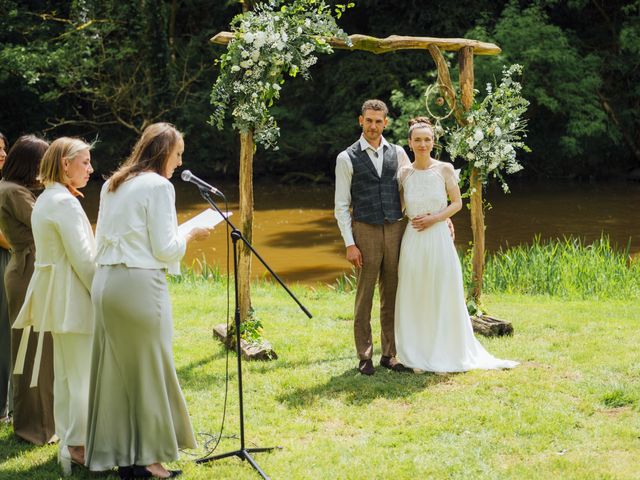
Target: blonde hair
150 153
61 149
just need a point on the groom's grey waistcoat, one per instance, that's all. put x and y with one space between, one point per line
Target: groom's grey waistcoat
374 198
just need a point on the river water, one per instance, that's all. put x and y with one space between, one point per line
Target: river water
296 233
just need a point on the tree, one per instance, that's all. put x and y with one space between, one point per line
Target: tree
111 67
580 76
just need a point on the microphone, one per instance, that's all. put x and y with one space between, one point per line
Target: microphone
187 176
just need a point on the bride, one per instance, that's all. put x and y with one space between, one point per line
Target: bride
432 326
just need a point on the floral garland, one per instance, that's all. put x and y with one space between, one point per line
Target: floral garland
495 129
276 39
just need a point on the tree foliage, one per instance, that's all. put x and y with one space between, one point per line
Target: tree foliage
108 68
89 67
275 41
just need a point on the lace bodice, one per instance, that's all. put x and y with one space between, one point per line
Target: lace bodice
423 191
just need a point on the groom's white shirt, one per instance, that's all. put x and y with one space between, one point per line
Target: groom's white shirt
344 174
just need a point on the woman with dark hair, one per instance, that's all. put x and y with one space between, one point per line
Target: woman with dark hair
433 329
137 414
32 407
5 326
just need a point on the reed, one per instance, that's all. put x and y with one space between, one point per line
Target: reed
345 283
568 268
199 270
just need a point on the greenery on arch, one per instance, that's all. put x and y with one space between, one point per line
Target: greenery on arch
495 129
276 40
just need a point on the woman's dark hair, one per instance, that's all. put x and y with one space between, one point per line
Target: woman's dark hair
6 146
23 160
419 122
149 154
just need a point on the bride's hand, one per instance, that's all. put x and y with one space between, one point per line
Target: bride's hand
422 222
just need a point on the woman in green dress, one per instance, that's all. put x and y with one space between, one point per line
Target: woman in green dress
5 327
32 407
137 414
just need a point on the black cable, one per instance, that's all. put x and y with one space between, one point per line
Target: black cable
219 437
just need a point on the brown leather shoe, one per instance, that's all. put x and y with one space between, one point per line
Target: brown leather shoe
365 367
392 364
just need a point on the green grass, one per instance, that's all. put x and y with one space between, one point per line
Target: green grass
570 411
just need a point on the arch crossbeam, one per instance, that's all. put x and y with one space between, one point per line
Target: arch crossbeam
395 42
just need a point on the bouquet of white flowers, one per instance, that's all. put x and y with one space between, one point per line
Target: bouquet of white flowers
495 129
276 39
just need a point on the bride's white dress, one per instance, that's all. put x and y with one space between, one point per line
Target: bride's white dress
432 326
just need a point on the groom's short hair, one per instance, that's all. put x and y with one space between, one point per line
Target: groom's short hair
374 104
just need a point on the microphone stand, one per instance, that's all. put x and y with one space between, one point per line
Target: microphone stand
243 453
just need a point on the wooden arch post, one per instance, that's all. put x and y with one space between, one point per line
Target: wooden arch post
245 187
466 49
465 62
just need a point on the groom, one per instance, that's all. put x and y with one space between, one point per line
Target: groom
366 181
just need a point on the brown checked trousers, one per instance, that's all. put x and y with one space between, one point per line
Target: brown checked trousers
380 248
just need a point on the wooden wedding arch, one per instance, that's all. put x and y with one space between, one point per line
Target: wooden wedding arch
466 49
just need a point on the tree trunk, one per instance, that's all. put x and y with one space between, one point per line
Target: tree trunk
465 64
477 228
246 223
444 83
172 29
626 134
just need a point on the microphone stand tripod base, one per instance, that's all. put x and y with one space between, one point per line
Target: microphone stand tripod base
243 454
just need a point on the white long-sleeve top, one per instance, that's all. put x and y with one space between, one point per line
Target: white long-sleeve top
138 226
58 298
344 174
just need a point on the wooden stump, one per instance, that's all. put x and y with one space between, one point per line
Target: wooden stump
250 351
491 327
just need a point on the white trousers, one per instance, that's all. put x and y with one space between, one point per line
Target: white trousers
71 369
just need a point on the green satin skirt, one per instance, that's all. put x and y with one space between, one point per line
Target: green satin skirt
137 413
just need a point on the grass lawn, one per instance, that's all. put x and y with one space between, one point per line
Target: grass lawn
570 411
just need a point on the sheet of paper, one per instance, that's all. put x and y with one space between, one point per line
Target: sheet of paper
206 219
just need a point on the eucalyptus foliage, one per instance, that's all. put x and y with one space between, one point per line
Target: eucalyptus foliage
495 129
276 40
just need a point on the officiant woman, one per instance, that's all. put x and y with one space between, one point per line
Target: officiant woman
137 414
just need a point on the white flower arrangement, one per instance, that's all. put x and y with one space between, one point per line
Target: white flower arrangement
275 40
495 129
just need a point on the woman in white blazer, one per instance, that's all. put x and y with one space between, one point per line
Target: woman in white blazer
58 297
138 417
